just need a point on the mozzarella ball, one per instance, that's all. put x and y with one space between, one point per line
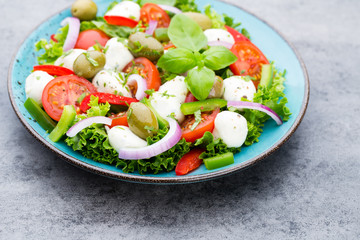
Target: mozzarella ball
126 9
35 84
108 81
117 55
122 137
231 127
237 87
220 35
176 87
166 105
67 60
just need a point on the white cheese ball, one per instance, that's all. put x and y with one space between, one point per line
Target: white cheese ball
176 87
126 9
122 137
67 60
166 105
221 35
35 84
117 55
231 127
109 81
237 87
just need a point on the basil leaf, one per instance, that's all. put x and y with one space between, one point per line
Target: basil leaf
177 60
200 82
165 2
186 33
218 57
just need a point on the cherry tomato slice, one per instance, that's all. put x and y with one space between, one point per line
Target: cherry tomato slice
147 70
189 162
119 119
121 21
250 60
89 38
151 11
238 37
64 90
206 125
106 97
54 70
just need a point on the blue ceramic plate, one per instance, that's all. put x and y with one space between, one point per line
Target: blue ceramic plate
276 48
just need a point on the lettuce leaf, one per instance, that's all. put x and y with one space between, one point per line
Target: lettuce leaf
216 19
166 161
219 21
93 142
110 30
50 51
97 109
272 97
213 147
187 5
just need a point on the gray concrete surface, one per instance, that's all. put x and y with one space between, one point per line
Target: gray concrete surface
309 189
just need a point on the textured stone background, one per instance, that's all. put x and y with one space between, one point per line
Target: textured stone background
309 189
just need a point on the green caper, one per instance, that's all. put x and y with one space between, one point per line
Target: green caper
85 10
218 88
142 121
144 45
88 64
201 19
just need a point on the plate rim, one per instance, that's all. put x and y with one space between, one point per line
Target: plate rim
166 180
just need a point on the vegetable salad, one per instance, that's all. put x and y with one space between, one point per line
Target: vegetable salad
154 85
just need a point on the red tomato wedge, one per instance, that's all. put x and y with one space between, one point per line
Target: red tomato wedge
250 60
189 162
106 97
121 21
206 125
89 38
147 70
64 90
119 119
54 70
238 37
151 11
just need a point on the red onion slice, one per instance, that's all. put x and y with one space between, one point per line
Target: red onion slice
87 123
73 33
152 26
170 8
141 85
257 106
170 140
221 43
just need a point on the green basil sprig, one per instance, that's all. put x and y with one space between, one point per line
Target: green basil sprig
189 39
